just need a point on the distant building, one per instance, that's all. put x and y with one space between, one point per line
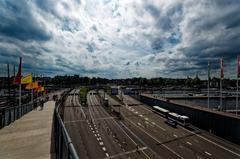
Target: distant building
128 91
114 90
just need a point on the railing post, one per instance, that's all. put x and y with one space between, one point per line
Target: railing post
1 115
9 116
4 117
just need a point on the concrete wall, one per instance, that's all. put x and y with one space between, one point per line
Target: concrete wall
223 126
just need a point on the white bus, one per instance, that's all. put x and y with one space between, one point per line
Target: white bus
160 111
184 120
180 119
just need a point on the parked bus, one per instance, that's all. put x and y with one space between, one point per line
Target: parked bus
160 111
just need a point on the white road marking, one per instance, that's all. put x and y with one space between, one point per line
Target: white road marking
107 154
104 148
175 135
127 152
156 140
189 143
74 121
216 144
235 153
208 153
101 143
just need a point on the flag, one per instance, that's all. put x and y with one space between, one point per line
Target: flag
17 79
40 89
209 71
221 66
32 85
238 66
26 79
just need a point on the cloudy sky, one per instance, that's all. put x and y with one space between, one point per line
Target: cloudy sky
120 38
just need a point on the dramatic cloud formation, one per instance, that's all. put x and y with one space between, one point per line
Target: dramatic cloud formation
120 38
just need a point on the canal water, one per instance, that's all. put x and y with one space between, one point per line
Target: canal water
227 104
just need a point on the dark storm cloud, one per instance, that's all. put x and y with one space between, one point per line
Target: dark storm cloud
18 22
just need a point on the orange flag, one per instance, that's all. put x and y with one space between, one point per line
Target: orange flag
32 85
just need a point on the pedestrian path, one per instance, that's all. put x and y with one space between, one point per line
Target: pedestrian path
30 136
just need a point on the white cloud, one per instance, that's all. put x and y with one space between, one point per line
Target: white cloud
123 38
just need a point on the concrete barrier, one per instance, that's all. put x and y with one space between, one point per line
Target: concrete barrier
218 123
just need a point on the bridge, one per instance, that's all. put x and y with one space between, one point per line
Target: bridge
66 129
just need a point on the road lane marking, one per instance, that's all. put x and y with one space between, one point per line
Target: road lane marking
208 153
73 121
157 140
175 135
131 138
127 152
189 143
104 148
235 153
216 144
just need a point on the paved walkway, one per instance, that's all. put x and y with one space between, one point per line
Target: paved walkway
30 136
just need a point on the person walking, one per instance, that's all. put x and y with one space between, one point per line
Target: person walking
42 104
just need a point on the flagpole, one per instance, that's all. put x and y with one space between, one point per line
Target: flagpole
208 81
208 92
20 96
237 98
221 93
221 78
32 100
237 85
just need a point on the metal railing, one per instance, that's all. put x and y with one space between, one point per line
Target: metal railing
10 114
64 148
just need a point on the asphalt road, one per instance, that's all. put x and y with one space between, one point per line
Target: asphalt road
98 133
184 143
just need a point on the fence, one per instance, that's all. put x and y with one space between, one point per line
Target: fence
64 148
10 114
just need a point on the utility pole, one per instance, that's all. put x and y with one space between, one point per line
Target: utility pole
8 73
14 93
